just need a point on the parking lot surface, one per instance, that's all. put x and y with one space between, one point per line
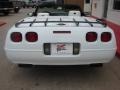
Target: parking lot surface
53 78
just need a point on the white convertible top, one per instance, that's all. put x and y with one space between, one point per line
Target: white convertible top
59 21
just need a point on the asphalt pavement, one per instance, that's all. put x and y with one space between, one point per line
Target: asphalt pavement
53 78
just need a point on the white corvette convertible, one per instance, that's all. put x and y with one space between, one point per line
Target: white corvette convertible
60 36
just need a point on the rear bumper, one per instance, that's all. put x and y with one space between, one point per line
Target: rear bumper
36 57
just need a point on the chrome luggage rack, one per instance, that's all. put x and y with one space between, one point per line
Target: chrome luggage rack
62 23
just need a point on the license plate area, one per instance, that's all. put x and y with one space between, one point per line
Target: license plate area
61 48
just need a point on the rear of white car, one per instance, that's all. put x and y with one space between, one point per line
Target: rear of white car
56 43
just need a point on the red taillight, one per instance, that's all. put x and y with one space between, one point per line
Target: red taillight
91 36
16 37
31 36
106 36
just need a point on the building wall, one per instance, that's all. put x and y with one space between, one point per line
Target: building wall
77 2
98 11
98 8
87 6
113 15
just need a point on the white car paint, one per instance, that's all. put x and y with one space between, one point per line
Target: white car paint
32 53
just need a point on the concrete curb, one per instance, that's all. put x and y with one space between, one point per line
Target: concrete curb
2 23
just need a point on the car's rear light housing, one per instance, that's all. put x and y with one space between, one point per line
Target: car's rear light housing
16 37
76 48
91 36
47 48
31 36
106 36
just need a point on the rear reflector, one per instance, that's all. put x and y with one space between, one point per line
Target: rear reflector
91 36
47 49
31 36
76 48
106 36
16 37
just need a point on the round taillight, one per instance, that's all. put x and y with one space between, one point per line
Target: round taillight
31 36
91 36
106 36
16 37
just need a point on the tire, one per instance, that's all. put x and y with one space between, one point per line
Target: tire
32 6
96 65
24 65
16 10
6 13
23 6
